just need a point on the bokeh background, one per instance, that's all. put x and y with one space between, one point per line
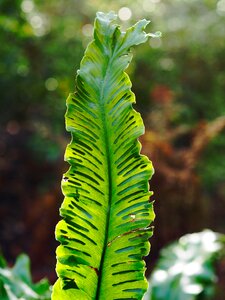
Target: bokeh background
179 82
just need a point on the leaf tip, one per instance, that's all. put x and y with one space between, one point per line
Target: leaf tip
157 34
106 17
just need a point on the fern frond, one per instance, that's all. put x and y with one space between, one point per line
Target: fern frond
106 212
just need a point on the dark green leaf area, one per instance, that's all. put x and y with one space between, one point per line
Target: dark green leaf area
68 294
69 284
106 211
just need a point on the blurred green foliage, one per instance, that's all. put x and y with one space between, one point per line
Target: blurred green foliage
186 268
16 283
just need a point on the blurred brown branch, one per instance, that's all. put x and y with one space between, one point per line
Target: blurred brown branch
181 206
174 163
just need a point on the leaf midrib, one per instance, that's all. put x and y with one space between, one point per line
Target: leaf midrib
109 168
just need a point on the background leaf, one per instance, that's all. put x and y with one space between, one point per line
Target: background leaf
186 268
16 283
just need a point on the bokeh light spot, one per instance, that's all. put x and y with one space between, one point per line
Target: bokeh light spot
87 30
125 13
155 42
36 21
22 70
51 84
148 5
166 64
13 127
27 6
221 7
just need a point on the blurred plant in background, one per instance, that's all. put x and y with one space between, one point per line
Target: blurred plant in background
179 80
186 268
16 282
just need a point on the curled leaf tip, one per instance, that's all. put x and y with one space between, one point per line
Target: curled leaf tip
156 34
107 17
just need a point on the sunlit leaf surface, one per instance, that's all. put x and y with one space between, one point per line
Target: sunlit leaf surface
106 211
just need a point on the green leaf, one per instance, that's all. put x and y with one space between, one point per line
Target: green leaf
16 283
106 211
21 268
3 263
185 270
